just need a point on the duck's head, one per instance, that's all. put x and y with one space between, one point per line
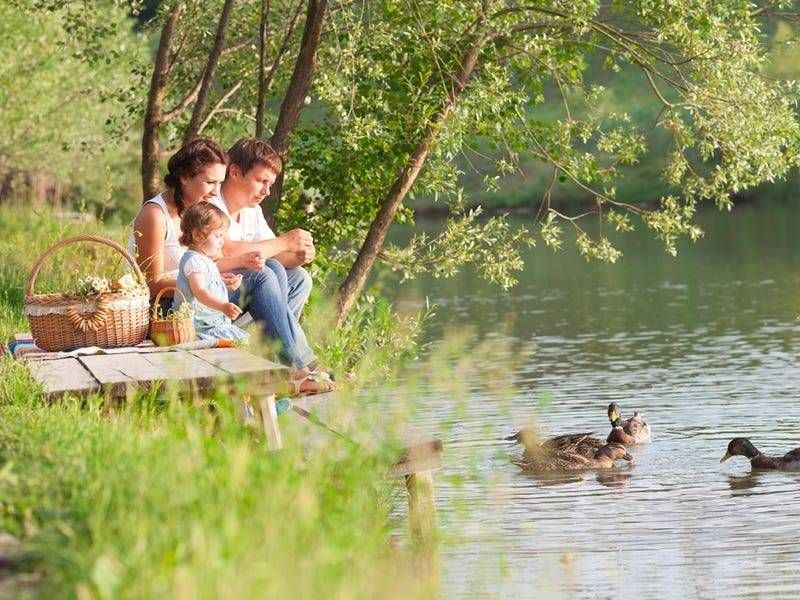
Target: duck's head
614 414
525 436
740 447
614 452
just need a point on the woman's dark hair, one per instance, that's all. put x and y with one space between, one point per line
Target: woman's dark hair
199 221
188 161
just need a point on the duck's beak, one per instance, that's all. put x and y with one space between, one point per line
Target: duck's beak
726 457
627 457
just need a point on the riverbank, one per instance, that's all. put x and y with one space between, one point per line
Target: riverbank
155 497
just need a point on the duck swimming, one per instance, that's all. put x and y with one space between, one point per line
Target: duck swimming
633 431
575 443
743 447
559 460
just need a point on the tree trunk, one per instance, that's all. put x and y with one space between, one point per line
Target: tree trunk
151 175
200 105
262 68
294 100
357 276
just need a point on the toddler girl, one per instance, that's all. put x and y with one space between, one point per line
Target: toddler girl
203 228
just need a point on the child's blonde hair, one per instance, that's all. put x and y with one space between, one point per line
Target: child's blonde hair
199 220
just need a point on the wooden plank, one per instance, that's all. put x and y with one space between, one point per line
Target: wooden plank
182 366
63 375
238 362
122 368
263 377
121 373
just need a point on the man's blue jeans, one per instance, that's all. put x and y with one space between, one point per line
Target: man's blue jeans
265 295
298 284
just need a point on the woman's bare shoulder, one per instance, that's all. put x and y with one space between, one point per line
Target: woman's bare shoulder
150 219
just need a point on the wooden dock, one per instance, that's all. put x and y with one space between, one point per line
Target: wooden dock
246 377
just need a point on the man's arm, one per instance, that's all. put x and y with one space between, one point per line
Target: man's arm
291 249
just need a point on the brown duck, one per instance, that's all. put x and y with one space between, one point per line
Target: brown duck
555 460
569 452
574 443
633 431
743 447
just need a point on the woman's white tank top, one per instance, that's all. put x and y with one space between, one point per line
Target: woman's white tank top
173 251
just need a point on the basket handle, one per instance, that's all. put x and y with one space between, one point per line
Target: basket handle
82 238
158 297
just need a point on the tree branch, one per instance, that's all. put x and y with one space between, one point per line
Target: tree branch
208 73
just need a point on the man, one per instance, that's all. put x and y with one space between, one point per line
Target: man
252 169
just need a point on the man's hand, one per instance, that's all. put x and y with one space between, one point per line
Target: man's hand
232 281
231 310
297 240
253 260
307 255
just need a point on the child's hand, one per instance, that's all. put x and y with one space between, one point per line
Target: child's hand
232 281
253 260
231 310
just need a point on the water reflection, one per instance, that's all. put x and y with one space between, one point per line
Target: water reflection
613 479
743 483
706 346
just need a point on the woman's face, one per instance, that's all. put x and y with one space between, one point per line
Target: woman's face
204 185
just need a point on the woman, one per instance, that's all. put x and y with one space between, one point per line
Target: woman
195 173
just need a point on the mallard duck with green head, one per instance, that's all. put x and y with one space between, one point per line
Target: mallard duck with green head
633 431
744 447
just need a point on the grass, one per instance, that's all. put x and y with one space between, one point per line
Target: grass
159 497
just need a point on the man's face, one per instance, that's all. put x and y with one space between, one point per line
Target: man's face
257 183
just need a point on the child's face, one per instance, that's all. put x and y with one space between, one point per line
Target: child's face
212 246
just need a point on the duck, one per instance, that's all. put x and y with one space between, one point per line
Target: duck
633 431
560 460
583 444
744 447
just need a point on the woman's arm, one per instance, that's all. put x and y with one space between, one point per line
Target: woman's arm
149 233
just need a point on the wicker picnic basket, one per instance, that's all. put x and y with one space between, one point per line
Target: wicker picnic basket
170 331
109 320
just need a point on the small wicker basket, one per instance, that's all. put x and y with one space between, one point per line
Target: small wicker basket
110 320
169 332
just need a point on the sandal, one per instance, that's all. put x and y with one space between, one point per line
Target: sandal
323 384
330 376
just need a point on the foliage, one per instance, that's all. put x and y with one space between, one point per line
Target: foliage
374 341
491 247
162 499
67 69
390 69
539 95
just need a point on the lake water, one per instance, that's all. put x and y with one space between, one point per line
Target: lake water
705 345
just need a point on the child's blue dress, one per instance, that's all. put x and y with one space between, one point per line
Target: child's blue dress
209 323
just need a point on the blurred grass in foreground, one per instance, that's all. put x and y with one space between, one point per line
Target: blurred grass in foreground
159 497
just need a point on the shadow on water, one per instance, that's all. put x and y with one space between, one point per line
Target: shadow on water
706 345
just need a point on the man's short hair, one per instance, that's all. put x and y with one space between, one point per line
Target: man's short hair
250 152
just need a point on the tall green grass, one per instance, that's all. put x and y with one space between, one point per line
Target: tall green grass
162 497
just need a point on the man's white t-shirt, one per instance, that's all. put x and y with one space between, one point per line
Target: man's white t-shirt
249 226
